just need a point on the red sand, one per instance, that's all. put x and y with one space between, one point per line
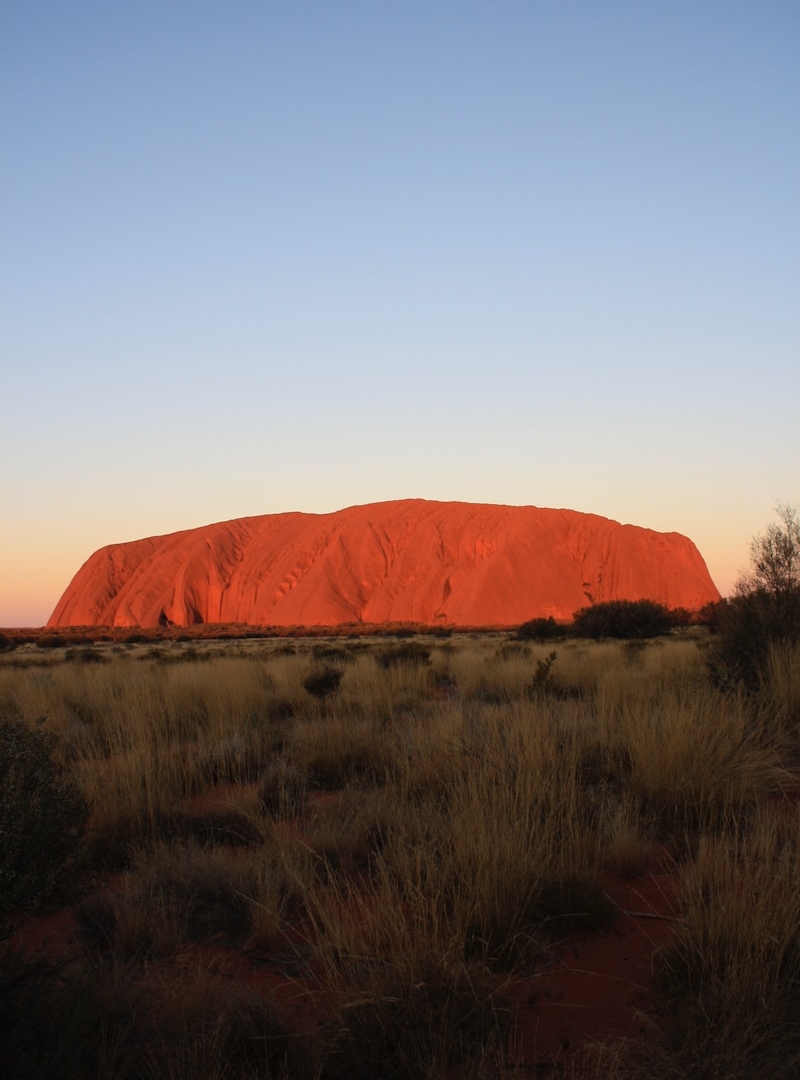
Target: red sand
458 564
597 988
600 989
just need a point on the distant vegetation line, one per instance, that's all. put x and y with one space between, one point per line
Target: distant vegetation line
541 628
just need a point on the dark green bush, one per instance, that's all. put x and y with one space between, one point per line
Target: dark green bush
542 630
622 619
43 815
709 614
682 618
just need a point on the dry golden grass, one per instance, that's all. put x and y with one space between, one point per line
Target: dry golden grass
432 825
629 842
730 978
781 688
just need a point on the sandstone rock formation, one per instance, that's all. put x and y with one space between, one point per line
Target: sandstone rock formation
454 563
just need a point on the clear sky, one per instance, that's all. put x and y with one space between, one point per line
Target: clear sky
267 256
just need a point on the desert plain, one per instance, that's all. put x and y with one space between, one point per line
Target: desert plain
415 854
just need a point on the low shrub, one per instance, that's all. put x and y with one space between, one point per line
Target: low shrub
323 683
542 681
43 815
622 619
542 630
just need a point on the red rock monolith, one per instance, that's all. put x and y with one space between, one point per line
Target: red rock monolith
451 563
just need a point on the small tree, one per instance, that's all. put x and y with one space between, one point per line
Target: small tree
775 557
765 607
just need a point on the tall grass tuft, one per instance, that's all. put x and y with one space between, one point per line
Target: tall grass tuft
731 977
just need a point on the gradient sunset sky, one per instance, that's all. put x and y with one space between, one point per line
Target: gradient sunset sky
267 256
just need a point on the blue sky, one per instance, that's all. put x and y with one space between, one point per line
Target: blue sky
270 256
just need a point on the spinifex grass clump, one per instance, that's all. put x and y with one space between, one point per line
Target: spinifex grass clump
630 841
692 758
348 832
283 789
323 682
405 999
414 1020
155 1023
780 692
410 652
731 977
344 748
182 893
495 840
207 1028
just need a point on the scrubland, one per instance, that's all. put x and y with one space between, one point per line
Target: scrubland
331 859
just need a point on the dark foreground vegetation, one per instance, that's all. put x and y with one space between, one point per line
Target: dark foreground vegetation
329 858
